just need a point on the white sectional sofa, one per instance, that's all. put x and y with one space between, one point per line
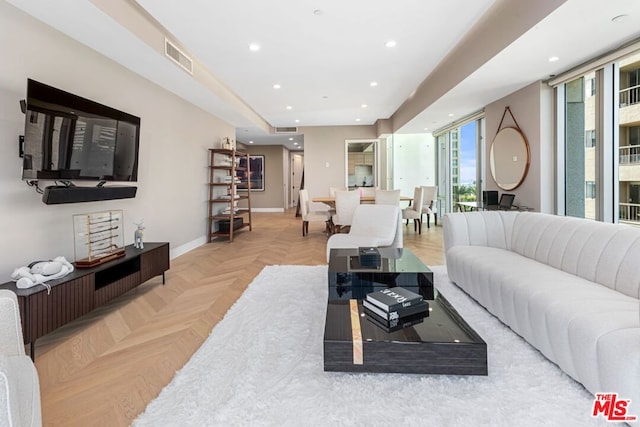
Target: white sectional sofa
568 286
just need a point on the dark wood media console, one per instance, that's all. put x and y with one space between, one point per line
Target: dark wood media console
85 289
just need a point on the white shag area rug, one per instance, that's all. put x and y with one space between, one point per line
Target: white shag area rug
262 366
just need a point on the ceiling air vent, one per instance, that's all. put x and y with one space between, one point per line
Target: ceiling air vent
178 56
291 129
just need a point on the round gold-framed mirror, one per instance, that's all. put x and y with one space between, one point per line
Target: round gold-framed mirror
509 158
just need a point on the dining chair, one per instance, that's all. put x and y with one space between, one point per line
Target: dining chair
368 191
346 204
332 190
414 211
309 215
388 197
429 203
332 193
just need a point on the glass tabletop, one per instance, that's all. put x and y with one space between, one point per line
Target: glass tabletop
398 267
442 324
348 279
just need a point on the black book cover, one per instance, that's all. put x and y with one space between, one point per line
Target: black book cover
397 324
393 299
396 314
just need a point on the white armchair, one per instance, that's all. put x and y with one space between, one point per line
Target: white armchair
19 385
372 225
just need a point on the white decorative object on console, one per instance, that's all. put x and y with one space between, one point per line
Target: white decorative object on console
39 272
138 242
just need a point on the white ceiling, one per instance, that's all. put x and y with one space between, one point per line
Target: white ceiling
324 54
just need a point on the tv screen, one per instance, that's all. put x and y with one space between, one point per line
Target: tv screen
68 138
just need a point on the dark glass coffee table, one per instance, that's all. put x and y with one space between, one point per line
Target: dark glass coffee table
355 341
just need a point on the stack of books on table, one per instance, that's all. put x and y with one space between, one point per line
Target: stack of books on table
395 308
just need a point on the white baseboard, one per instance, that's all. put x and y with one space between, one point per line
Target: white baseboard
189 246
267 209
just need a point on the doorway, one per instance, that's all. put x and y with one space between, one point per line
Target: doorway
297 174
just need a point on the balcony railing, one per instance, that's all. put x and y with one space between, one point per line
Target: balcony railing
630 213
630 96
629 154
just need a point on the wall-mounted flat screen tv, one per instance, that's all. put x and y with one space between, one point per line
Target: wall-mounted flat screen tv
69 138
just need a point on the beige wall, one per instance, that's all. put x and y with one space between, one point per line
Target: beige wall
175 136
272 199
324 155
532 107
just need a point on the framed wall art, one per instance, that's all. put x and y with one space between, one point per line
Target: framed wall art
256 173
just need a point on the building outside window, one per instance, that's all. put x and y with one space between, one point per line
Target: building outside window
580 109
629 141
599 136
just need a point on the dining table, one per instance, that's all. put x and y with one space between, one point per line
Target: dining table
331 201
470 206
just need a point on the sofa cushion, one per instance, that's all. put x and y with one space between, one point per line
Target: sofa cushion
607 254
491 229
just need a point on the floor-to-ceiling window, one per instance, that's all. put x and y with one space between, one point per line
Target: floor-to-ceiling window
629 137
460 170
598 135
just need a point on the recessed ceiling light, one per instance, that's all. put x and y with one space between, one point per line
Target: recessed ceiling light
426 128
289 107
357 120
254 47
295 143
290 139
297 121
450 114
619 18
250 142
364 105
390 43
553 59
276 86
373 84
